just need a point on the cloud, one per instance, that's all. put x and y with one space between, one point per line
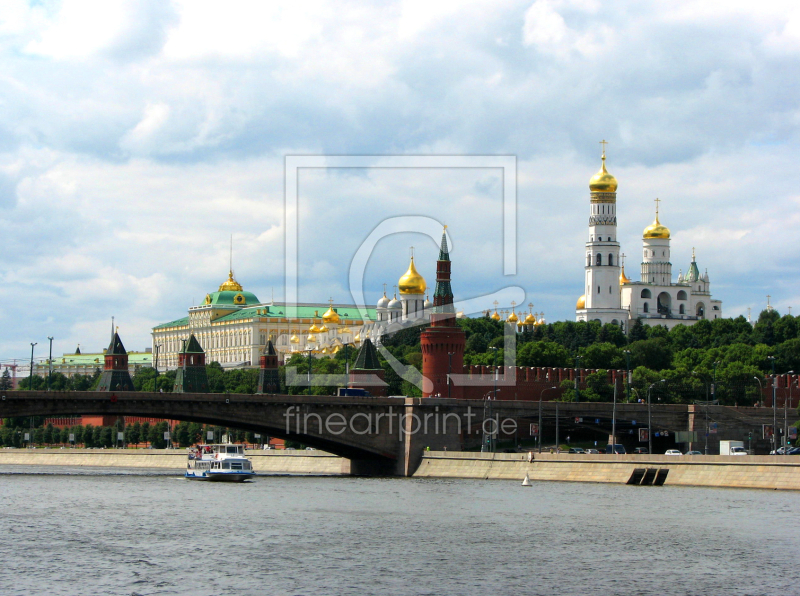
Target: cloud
137 136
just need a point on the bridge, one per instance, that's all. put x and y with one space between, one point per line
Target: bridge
387 436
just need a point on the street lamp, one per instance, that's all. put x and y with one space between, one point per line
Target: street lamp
785 419
577 395
449 370
156 348
540 416
30 377
705 452
761 390
649 417
714 384
492 437
628 374
487 405
50 364
310 356
774 408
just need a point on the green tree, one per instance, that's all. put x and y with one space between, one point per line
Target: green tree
602 355
543 353
5 381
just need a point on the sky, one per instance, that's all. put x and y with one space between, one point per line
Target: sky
138 139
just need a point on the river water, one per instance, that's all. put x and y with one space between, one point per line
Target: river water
77 531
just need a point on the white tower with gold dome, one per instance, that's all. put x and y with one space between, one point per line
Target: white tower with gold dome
656 267
601 300
412 288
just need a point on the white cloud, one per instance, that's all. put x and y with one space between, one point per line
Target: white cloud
139 135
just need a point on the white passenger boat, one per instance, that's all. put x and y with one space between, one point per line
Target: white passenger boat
221 463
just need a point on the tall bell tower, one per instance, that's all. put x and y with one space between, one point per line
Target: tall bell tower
601 300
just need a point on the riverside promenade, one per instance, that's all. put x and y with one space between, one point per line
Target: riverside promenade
722 471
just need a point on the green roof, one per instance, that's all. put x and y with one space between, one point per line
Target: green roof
367 358
176 323
192 346
234 298
86 359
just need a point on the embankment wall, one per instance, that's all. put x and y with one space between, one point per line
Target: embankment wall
766 472
273 461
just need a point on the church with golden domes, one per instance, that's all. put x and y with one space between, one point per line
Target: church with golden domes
610 296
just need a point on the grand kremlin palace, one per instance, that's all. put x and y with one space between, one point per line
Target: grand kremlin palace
233 326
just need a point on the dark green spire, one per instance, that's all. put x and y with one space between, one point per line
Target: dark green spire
444 254
116 347
367 358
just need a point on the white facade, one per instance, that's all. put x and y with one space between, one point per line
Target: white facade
610 297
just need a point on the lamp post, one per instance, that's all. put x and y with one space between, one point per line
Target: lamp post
492 438
577 394
30 377
774 410
156 348
614 422
310 356
760 389
50 364
694 372
627 375
649 417
449 370
540 415
714 384
785 419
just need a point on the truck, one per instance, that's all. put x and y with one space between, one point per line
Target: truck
732 448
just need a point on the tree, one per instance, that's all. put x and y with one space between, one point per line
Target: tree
5 381
602 355
543 353
133 433
652 353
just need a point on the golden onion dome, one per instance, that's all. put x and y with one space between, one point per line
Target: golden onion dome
603 181
496 315
581 303
230 285
623 279
330 316
323 329
530 319
295 339
357 338
512 318
313 328
311 338
656 230
412 282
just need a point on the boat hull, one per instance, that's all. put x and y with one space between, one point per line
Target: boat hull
221 477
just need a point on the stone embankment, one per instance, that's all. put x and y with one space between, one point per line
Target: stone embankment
764 471
272 461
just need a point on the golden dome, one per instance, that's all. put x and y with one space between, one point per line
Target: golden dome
512 318
656 230
330 316
314 328
323 329
295 339
230 285
496 315
311 338
357 338
603 181
530 319
623 279
412 282
581 303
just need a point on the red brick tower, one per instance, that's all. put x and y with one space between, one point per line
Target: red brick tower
443 342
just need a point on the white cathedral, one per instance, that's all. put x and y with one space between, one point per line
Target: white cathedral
613 298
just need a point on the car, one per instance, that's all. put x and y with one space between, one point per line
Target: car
640 450
738 451
617 448
794 451
694 452
593 451
672 452
576 450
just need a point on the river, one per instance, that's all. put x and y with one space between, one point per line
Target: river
77 531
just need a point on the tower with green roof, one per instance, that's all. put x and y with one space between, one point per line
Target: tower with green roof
268 380
366 367
115 376
191 375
